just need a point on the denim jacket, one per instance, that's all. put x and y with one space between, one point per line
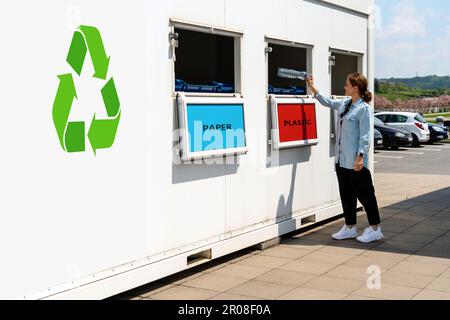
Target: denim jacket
353 137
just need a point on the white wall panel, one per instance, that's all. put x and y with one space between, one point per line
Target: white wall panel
71 216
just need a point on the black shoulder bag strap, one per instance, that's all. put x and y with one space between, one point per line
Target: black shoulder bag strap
347 108
342 115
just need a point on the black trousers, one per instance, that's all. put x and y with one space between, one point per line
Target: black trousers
355 186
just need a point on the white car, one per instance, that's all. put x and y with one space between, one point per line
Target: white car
411 122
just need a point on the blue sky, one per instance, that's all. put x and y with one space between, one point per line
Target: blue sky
412 37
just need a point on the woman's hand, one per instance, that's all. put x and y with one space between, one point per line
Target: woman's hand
310 81
359 164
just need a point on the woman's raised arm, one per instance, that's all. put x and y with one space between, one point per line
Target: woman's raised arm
326 102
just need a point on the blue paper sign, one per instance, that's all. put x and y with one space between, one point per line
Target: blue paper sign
215 127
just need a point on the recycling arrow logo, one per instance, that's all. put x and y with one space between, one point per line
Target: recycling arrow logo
102 132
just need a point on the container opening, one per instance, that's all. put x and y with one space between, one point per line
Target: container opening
205 63
199 258
289 57
344 65
308 220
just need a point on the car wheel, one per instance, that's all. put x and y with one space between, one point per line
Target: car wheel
386 143
416 142
395 148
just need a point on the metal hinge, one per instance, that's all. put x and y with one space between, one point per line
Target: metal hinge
173 39
331 62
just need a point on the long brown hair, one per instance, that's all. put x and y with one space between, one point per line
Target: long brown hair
359 80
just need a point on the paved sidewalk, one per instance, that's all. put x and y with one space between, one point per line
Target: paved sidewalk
414 257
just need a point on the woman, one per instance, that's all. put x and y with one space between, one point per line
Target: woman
352 149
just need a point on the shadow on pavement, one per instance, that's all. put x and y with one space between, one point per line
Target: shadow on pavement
418 227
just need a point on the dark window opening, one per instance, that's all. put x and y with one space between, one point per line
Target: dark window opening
287 57
344 65
204 62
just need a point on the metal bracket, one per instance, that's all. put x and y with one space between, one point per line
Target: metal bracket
173 40
331 62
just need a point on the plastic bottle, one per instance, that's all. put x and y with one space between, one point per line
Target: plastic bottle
292 74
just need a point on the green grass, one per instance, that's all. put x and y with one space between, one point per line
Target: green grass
399 95
432 117
445 115
406 95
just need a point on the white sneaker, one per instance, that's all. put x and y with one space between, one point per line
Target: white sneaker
370 235
346 233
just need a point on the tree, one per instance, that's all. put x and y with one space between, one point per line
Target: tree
382 103
377 86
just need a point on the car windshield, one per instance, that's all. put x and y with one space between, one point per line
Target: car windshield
420 118
378 122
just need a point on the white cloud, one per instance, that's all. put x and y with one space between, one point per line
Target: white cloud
403 47
405 21
407 58
441 47
397 58
431 13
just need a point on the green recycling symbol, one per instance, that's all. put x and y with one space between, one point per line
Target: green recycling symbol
102 132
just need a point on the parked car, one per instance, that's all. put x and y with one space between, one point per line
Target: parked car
377 139
437 132
411 122
447 124
393 137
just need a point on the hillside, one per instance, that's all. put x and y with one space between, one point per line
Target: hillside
428 83
412 88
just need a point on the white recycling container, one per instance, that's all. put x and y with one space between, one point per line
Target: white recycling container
103 188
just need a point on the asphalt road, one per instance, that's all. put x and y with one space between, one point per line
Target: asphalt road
427 159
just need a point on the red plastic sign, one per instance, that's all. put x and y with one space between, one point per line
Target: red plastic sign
297 122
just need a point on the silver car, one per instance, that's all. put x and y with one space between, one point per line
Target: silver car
409 121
